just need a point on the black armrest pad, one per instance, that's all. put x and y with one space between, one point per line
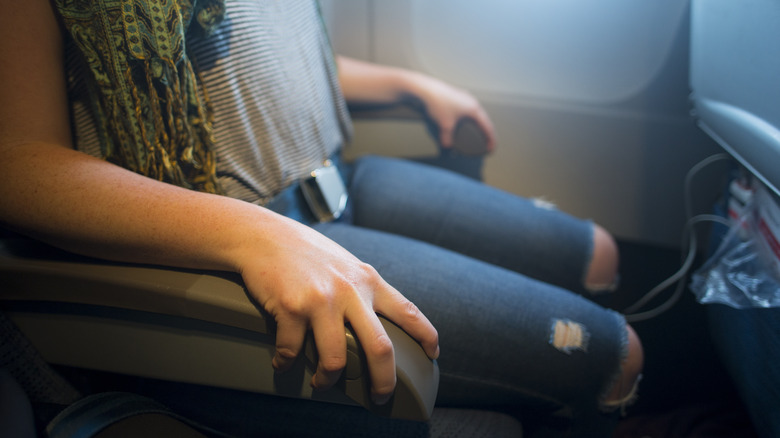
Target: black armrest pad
469 140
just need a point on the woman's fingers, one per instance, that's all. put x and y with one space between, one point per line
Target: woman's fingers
327 324
290 336
380 355
377 344
330 339
406 315
486 125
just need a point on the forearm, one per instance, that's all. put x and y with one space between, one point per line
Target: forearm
366 82
92 207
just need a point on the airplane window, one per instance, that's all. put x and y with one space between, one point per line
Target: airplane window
596 51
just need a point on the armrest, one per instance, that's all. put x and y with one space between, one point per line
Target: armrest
468 139
180 325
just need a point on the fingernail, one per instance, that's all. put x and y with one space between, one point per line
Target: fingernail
381 399
319 383
280 366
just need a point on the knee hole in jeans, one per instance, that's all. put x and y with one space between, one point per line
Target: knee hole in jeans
624 388
602 273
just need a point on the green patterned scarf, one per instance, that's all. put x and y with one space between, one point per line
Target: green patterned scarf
152 116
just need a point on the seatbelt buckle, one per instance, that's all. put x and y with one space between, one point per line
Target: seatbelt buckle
325 192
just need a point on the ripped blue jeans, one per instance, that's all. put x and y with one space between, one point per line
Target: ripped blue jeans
500 277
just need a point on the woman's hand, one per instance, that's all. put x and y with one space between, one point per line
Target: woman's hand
447 105
306 281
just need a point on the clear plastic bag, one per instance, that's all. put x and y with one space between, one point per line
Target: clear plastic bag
743 271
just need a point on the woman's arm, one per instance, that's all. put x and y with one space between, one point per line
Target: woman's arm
89 206
366 82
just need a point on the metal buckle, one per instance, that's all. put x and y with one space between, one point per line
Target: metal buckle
325 192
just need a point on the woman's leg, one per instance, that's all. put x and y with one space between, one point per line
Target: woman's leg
505 339
494 226
480 221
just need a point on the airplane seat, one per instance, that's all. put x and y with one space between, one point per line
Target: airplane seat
200 330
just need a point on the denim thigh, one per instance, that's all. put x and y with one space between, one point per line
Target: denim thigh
472 218
503 336
493 273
